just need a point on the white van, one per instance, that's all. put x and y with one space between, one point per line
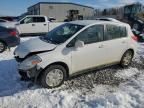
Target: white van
73 48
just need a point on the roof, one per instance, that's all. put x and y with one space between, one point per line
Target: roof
83 22
61 3
89 22
107 19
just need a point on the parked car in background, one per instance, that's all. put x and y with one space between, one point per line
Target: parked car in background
73 48
139 35
2 20
35 25
8 24
8 38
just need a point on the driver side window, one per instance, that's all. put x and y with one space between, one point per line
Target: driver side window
90 35
27 20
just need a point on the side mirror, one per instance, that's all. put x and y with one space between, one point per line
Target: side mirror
79 44
21 22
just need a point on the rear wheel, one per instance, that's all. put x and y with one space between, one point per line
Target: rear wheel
2 46
53 76
127 58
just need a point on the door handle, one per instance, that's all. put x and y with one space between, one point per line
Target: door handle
33 24
101 46
123 42
45 24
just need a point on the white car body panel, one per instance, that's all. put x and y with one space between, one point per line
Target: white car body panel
24 28
33 45
87 57
115 49
56 56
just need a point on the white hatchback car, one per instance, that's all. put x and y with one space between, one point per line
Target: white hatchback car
75 47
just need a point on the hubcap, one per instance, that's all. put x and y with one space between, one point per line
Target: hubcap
54 77
1 46
127 59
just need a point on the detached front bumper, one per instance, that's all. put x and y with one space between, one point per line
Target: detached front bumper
27 71
31 73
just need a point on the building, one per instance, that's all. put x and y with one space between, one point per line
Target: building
62 10
9 18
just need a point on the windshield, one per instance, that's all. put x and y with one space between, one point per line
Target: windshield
62 33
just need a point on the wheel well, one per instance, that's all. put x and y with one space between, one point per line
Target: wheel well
131 50
58 63
3 42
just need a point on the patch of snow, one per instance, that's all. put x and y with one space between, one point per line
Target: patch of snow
127 73
140 54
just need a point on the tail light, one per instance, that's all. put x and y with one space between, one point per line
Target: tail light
135 38
13 33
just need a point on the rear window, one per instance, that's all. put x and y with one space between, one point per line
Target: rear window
38 19
114 32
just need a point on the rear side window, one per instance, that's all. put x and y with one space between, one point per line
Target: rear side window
92 34
114 32
38 19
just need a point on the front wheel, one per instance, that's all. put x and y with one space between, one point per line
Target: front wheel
53 76
126 59
2 46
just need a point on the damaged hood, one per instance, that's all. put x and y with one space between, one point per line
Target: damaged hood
33 45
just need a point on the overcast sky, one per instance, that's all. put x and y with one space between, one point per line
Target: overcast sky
17 7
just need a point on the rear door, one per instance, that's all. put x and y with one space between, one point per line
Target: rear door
115 42
40 25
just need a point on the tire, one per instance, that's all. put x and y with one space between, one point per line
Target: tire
23 76
2 47
53 76
126 58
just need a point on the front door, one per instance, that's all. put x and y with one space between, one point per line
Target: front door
25 25
93 52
